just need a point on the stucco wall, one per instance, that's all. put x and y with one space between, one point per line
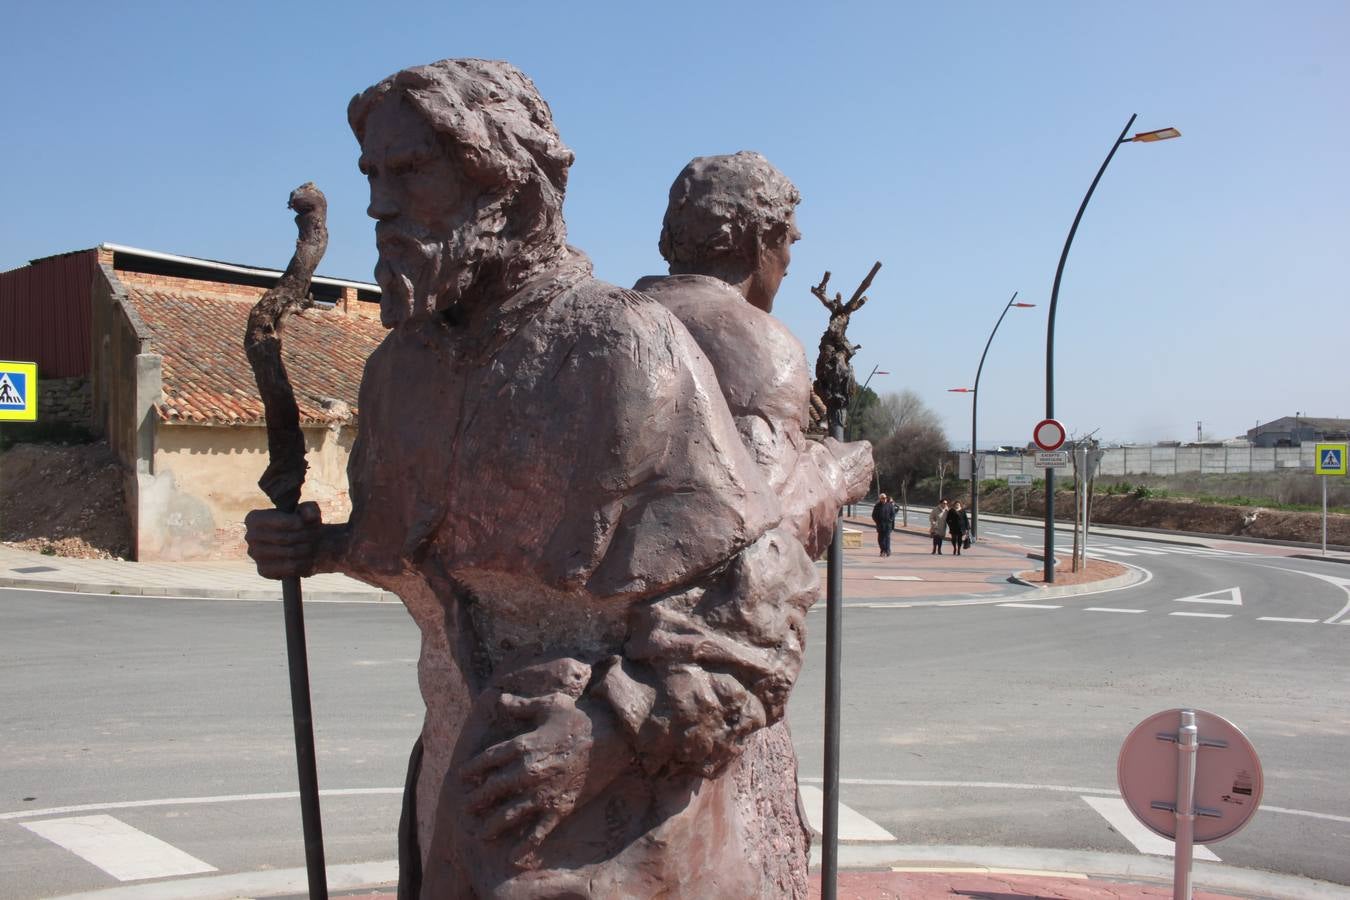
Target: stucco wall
205 480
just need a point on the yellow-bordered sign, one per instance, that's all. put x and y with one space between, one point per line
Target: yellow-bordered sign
18 391
1331 459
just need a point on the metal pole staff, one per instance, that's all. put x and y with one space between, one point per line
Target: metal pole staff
1050 354
834 604
283 480
834 629
1188 745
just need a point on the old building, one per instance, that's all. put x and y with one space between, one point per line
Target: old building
147 349
1297 430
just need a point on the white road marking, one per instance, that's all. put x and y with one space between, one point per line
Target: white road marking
1109 551
1030 606
125 853
1049 788
193 801
1146 552
897 578
1002 535
1112 609
1283 619
350 876
1234 597
1119 817
1203 615
853 825
1342 583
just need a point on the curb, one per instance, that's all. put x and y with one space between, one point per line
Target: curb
380 876
193 593
1133 575
1319 558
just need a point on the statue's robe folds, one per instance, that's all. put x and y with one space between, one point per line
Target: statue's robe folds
762 370
559 479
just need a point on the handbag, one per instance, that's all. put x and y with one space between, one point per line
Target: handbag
965 544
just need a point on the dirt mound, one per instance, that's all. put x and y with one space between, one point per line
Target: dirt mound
1180 514
64 501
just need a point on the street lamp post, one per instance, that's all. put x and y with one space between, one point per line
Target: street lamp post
1161 134
974 418
876 370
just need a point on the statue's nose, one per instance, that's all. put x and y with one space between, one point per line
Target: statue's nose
382 203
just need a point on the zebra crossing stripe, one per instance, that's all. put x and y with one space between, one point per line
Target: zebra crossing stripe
1119 817
112 845
853 825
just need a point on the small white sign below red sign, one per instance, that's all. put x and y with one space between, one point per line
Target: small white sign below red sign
1048 434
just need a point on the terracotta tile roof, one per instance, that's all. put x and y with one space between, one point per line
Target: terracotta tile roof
206 376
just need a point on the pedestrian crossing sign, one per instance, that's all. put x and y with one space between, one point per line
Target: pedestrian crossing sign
18 392
1331 459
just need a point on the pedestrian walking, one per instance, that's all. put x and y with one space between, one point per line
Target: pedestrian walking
883 514
937 526
958 526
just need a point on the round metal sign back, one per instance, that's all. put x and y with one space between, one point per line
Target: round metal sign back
1228 780
1048 435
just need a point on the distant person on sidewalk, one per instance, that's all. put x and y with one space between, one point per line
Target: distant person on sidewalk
958 526
883 514
937 526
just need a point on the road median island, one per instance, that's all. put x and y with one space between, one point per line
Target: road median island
1097 576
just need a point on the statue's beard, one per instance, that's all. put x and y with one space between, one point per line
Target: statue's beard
420 274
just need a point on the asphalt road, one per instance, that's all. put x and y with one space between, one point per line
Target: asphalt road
976 724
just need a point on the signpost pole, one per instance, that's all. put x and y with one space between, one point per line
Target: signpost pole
1324 515
1188 743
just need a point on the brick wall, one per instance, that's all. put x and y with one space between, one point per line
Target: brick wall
170 283
65 400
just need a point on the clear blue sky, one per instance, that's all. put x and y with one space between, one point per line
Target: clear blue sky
951 141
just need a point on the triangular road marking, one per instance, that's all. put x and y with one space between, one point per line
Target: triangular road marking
1233 597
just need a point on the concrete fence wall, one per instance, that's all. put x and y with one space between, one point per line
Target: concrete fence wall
1121 461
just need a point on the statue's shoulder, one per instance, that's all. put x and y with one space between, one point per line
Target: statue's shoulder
603 311
709 306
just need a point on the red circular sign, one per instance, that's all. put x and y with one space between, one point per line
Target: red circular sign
1048 434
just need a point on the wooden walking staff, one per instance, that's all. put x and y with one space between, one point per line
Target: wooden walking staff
282 480
835 386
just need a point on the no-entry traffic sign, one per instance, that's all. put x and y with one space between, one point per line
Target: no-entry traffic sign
1048 434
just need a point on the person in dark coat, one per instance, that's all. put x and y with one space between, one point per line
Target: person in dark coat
883 514
958 526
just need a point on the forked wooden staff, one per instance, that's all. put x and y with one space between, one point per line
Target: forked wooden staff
282 481
835 385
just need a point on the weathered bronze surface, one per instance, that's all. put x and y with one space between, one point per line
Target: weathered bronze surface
727 235
611 585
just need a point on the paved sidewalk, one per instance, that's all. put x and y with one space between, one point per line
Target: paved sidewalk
980 883
911 574
229 580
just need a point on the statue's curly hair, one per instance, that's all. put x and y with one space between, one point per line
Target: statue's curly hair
725 208
499 128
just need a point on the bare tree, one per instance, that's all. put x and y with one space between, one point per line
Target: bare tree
915 445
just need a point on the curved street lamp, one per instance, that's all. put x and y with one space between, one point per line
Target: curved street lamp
857 395
1162 134
974 413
